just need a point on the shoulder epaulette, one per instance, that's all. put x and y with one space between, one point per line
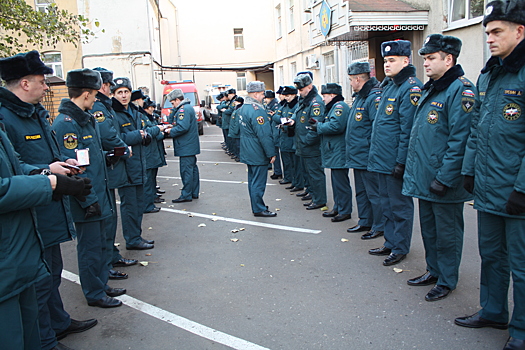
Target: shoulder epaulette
465 81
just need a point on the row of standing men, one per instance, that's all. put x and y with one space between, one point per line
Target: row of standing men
444 142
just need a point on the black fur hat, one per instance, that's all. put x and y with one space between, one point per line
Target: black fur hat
107 75
289 90
437 42
231 91
18 66
137 94
83 78
396 48
219 96
280 90
121 83
148 102
505 10
269 94
331 88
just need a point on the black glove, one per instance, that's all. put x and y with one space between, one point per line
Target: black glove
111 160
147 139
93 210
516 203
399 171
438 188
76 186
468 183
313 124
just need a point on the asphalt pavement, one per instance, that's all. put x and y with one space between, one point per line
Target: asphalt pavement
220 278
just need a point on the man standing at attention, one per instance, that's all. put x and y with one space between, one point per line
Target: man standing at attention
389 144
433 167
257 147
495 170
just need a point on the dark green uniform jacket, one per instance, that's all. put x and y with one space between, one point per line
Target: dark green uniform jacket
359 128
227 114
439 134
307 142
273 106
332 130
286 139
130 125
221 105
109 133
185 133
30 133
256 133
21 250
496 147
393 123
78 130
159 141
153 157
235 129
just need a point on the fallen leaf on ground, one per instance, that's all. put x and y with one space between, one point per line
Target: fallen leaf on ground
235 230
234 239
213 213
344 240
214 219
150 228
117 244
242 265
230 172
216 163
277 209
324 208
171 206
148 254
397 270
144 263
278 199
242 229
202 225
190 215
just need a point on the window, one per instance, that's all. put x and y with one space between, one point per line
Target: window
464 10
278 23
241 81
238 39
54 61
329 73
290 19
281 75
293 69
307 10
41 5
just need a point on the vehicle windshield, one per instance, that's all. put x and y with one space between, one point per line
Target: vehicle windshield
192 96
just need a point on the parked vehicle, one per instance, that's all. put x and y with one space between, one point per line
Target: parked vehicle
189 89
211 103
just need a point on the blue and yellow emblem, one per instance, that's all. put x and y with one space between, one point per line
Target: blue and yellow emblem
325 16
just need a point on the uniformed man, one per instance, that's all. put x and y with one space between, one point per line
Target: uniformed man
21 244
186 144
257 147
433 168
80 137
132 193
367 96
235 129
272 105
221 99
105 116
307 142
149 109
25 120
332 130
494 169
389 144
227 111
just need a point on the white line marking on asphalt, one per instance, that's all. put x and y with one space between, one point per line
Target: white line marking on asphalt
215 141
246 222
206 180
205 161
178 321
212 150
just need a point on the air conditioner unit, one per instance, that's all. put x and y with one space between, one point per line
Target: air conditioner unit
312 62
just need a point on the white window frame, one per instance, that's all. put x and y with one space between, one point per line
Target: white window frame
281 75
41 5
278 21
467 20
293 70
57 66
241 81
330 71
291 21
238 39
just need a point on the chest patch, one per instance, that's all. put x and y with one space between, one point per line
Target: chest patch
389 109
512 92
127 124
99 116
70 140
511 111
338 112
260 120
302 119
433 117
33 137
181 116
437 104
358 116
87 137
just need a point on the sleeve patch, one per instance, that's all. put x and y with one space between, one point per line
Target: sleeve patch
181 116
467 104
70 140
317 111
260 120
415 89
468 93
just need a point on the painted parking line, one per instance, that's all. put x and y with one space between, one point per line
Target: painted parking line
205 161
244 222
207 180
178 321
212 150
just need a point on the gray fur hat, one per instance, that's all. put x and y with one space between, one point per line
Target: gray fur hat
437 42
396 48
505 10
18 66
331 88
121 83
107 75
255 86
358 68
84 78
302 80
175 94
